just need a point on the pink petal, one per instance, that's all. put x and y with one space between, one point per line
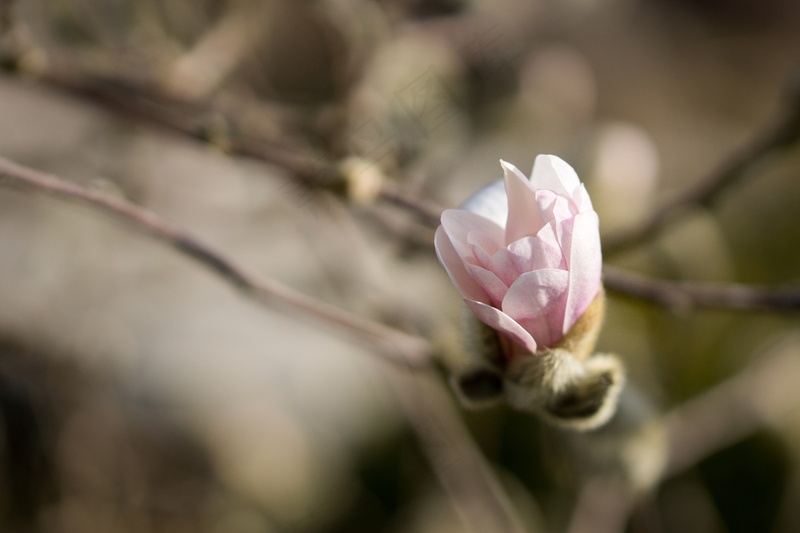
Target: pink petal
547 238
552 173
459 224
524 218
477 239
585 261
503 265
454 265
562 229
537 301
489 282
503 323
555 207
481 256
535 253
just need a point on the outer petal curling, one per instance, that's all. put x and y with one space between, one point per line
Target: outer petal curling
498 320
455 268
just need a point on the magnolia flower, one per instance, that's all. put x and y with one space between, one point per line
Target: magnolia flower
525 254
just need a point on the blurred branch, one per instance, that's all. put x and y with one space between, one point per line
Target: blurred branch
193 120
6 18
215 121
734 409
783 133
758 396
603 506
395 345
206 66
208 122
426 211
457 462
470 482
683 294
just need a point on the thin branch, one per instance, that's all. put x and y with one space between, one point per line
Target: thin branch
206 121
464 473
782 134
684 294
188 119
457 462
397 346
195 119
426 212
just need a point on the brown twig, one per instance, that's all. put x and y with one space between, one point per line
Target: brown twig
783 133
683 294
192 119
426 212
455 459
188 119
394 344
151 105
195 119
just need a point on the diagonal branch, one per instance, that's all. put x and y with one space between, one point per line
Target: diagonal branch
782 134
396 345
188 119
456 461
148 104
199 120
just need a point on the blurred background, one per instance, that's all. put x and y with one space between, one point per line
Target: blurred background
140 393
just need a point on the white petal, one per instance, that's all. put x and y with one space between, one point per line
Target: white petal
490 202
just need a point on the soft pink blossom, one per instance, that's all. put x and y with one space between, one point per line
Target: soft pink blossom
525 256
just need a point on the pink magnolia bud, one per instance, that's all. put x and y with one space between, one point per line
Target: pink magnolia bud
525 254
